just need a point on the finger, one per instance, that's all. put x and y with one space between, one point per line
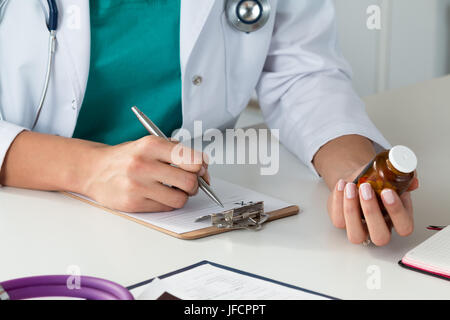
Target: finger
147 205
336 207
172 176
401 214
140 205
186 158
407 203
356 231
414 185
173 153
168 196
379 232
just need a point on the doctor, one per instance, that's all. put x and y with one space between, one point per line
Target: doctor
179 61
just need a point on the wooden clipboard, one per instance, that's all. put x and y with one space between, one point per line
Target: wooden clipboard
196 234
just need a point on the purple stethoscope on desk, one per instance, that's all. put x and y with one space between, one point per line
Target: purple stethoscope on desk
56 286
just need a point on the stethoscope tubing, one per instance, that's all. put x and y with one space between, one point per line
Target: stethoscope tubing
52 26
58 291
51 54
56 286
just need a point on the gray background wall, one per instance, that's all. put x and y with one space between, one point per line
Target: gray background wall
413 44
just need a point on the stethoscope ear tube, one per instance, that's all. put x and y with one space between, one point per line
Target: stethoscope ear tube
57 286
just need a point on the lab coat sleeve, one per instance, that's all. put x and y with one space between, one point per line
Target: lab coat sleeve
305 89
8 132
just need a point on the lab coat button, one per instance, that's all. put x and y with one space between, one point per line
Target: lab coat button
197 80
74 105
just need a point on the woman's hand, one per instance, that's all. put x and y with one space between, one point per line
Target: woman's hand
132 177
139 176
339 162
346 203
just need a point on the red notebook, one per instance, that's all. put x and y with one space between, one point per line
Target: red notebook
432 256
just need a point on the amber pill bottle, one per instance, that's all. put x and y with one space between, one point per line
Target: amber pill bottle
393 169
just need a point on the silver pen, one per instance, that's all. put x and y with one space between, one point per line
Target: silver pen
153 129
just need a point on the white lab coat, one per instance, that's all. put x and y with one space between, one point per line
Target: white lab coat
302 81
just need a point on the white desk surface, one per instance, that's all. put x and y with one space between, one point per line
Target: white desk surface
45 233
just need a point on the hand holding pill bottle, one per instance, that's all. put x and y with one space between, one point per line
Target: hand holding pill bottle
393 169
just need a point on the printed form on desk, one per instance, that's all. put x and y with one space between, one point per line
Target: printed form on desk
183 220
211 281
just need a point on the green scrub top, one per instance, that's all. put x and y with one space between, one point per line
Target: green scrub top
135 61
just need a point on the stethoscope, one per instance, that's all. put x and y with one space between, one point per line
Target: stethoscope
52 25
58 286
244 15
247 15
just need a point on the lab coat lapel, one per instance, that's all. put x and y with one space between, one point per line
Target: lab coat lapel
74 37
192 19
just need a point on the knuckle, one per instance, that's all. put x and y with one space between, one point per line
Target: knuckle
195 158
151 141
180 200
128 204
134 165
198 157
195 166
190 182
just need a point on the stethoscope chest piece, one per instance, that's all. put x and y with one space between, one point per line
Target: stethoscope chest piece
248 15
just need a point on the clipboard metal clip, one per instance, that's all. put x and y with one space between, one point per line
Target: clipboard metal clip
249 216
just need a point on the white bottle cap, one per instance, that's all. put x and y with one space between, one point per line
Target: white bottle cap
403 159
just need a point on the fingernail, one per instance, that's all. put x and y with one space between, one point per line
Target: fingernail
388 196
202 171
341 185
366 191
350 191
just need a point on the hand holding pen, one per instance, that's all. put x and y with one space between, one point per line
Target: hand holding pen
137 176
154 130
